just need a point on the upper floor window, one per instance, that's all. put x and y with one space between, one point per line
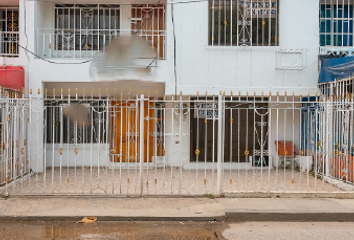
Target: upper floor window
85 27
336 23
243 22
9 31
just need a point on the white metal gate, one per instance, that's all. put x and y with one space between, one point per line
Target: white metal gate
174 145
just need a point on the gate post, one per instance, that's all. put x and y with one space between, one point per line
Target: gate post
141 142
220 147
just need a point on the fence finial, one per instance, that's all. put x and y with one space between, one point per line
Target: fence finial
277 94
198 93
69 91
262 93
99 91
316 94
180 93
92 91
107 91
30 90
45 91
247 93
83 91
156 92
54 92
61 91
206 93
76 91
308 94
239 93
254 93
293 94
286 93
270 93
23 90
39 91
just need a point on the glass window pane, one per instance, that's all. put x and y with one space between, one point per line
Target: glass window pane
322 40
328 40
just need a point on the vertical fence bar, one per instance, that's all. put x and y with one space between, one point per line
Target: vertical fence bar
213 149
219 150
180 143
121 143
141 144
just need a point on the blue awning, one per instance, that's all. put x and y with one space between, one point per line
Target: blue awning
336 69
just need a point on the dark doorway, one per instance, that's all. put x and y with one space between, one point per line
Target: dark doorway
246 128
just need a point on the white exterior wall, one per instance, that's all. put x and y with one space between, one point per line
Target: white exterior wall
199 66
202 67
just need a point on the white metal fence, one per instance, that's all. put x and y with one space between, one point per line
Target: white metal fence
175 145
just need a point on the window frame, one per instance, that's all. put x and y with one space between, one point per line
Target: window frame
96 35
10 35
336 38
244 25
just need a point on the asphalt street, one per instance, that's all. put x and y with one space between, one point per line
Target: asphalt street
175 230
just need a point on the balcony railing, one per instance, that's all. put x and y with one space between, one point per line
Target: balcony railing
9 44
86 43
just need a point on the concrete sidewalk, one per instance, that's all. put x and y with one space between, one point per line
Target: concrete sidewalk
178 209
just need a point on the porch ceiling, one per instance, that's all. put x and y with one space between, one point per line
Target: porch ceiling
125 86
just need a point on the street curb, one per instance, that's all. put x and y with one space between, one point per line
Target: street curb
288 217
115 218
229 217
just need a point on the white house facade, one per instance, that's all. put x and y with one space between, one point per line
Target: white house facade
237 75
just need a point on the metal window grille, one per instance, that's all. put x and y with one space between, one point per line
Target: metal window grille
243 22
336 23
82 31
85 27
68 130
9 31
148 21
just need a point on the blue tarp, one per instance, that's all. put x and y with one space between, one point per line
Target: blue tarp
336 69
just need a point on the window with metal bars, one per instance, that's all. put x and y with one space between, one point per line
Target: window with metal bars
336 23
243 22
9 31
73 133
85 26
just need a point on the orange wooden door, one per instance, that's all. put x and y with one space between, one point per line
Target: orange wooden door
125 132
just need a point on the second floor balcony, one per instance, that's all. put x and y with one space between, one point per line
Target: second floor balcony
87 43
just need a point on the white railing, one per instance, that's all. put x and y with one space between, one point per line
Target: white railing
9 44
179 145
86 43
